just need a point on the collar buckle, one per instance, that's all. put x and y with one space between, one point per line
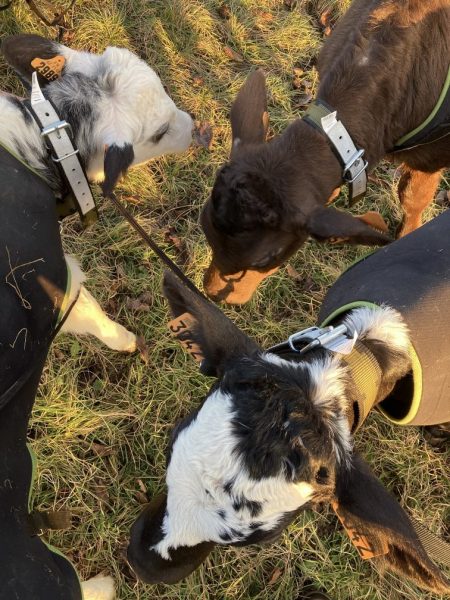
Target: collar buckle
348 174
322 337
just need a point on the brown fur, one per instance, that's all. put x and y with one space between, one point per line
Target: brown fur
383 70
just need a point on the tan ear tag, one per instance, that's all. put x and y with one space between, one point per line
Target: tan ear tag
182 325
359 538
50 68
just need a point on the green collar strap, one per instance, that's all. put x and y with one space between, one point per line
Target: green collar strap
366 374
354 168
436 119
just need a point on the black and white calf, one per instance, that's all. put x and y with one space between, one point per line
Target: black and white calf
120 115
275 433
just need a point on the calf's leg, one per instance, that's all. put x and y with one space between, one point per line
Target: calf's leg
416 191
87 317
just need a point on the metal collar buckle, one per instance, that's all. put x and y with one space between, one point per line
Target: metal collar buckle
318 336
354 162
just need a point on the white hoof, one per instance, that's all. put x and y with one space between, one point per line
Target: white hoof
100 587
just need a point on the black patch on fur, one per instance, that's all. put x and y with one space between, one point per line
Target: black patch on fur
117 161
278 428
222 514
256 525
225 536
241 503
228 487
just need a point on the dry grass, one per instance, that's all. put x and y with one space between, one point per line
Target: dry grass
101 421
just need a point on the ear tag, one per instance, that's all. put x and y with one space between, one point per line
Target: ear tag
50 68
342 344
183 325
359 538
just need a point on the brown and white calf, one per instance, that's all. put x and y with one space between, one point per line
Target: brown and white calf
383 70
275 433
120 116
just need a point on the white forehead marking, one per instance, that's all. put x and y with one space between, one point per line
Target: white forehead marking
202 463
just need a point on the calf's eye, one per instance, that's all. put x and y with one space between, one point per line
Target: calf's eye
322 476
158 135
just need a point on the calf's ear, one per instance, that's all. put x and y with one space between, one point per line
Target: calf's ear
248 116
327 223
218 338
380 528
26 53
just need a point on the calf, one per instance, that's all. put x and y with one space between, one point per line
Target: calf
120 116
275 433
385 70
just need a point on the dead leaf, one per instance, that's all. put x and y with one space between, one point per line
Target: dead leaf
232 54
203 134
135 305
290 4
179 244
224 11
326 20
266 17
198 81
142 486
293 273
101 449
298 72
275 576
142 347
141 497
443 198
100 491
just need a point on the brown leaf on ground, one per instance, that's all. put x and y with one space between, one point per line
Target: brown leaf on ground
275 576
224 11
443 198
141 497
203 134
100 491
326 20
266 17
136 305
179 244
293 273
142 486
233 55
101 449
198 81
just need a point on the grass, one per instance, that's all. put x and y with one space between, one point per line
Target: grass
101 421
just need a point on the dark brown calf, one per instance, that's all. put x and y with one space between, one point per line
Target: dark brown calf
383 70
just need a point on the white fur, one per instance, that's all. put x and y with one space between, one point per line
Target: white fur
384 324
100 587
130 102
203 459
132 107
86 316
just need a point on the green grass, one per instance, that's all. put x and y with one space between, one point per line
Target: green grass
102 420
